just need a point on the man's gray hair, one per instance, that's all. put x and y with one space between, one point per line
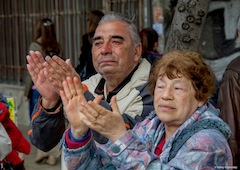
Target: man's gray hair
113 16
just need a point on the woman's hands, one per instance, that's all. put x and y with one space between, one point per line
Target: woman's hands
83 115
72 97
108 123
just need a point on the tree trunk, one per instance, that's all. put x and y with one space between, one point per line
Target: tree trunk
187 24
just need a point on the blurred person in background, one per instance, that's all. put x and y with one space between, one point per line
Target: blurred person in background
46 43
149 40
229 103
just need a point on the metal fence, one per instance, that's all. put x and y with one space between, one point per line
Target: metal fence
18 20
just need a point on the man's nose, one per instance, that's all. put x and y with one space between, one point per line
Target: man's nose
106 48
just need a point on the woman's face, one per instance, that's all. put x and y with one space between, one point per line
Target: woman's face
174 100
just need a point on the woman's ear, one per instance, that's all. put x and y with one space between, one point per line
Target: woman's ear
200 103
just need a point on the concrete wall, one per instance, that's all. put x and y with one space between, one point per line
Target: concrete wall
231 14
21 106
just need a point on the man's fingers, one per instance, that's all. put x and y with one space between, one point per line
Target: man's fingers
52 67
37 59
71 86
29 59
54 73
31 72
68 61
67 90
60 65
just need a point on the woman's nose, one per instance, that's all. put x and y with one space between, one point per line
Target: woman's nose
167 94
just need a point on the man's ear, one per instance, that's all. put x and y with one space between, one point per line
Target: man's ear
138 52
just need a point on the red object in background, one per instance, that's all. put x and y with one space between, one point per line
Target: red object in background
19 143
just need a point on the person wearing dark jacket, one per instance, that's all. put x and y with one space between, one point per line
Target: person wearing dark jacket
229 104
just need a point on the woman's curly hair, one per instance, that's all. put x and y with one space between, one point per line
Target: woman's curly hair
188 64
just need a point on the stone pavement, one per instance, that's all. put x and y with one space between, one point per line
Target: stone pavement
29 159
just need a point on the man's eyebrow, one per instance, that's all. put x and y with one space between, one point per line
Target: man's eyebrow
113 36
118 37
96 38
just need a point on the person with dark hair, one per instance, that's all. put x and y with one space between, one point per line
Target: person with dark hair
85 68
149 40
46 43
183 132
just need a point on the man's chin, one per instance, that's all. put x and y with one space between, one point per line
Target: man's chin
107 72
107 69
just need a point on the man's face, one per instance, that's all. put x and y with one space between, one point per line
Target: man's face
113 51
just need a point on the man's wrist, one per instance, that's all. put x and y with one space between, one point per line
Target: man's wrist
50 106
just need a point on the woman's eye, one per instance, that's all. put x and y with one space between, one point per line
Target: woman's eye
160 87
178 88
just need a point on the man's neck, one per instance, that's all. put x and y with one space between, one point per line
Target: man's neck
112 82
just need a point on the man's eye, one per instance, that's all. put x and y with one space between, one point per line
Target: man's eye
97 43
116 42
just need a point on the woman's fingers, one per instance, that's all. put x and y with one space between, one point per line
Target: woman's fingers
114 105
90 113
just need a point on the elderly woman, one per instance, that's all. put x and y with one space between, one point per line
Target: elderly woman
184 131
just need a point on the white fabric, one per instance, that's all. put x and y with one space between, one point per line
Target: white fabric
5 143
